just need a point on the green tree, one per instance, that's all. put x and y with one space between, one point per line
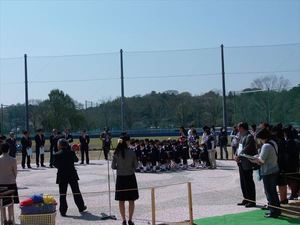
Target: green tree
62 111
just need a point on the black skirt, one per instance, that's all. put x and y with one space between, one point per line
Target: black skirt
15 194
124 183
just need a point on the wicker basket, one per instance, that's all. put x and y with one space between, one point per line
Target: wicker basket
37 209
38 219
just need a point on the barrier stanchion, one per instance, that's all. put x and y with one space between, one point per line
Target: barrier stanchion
153 205
189 185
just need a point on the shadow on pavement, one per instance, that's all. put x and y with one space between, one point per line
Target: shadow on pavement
86 216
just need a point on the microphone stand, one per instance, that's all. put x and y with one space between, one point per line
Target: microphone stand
105 216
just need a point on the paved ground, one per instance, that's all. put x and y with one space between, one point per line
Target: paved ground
215 192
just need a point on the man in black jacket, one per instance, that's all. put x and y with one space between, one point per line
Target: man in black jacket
66 174
246 146
39 147
68 135
26 149
84 146
106 142
12 144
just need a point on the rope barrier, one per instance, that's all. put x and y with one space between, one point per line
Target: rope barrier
147 221
102 192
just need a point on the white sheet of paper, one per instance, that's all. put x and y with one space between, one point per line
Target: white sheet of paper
42 150
29 151
239 150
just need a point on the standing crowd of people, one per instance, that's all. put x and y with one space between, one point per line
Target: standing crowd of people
273 153
270 151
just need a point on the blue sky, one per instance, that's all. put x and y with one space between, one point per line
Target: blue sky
55 28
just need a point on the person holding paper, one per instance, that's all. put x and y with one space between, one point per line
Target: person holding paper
26 149
269 170
246 146
39 147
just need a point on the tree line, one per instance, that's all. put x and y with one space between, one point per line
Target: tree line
265 100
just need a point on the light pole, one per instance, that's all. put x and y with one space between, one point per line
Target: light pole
2 117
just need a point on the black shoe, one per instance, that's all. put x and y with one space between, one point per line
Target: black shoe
83 209
81 163
43 165
271 215
37 165
51 166
130 222
284 202
63 214
124 222
23 167
265 207
250 205
244 202
293 197
29 167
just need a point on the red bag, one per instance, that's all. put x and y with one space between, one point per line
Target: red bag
26 202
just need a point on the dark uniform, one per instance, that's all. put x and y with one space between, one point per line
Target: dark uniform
106 142
2 139
68 137
84 147
67 174
12 146
39 143
248 146
26 144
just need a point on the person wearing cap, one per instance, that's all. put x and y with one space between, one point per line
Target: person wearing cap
67 175
246 146
125 162
39 147
12 144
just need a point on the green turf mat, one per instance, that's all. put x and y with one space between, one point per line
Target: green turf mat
247 218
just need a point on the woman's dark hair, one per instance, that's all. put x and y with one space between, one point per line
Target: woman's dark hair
207 131
263 133
4 147
277 131
122 145
243 125
63 143
264 125
288 133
